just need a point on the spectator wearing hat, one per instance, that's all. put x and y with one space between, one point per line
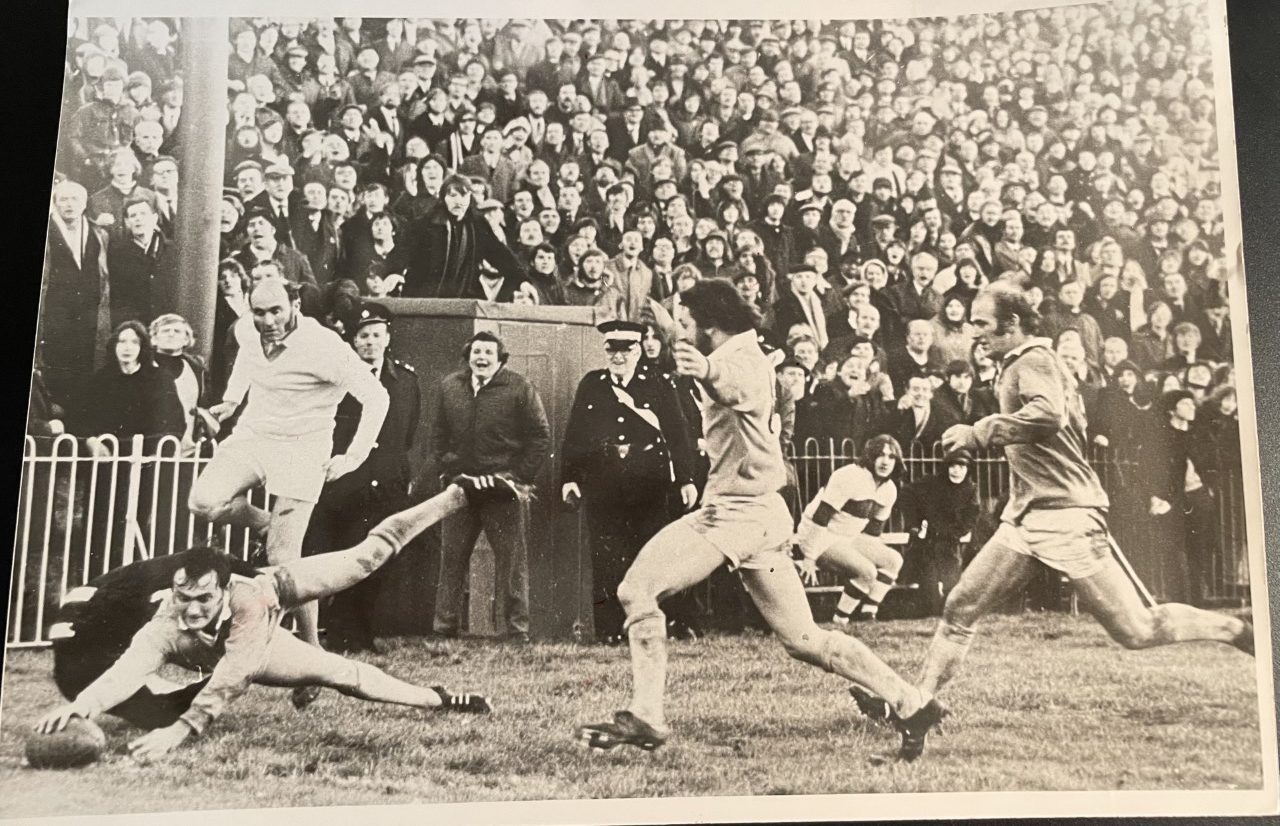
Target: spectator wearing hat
1176 462
940 513
766 137
627 456
589 286
100 127
315 233
1124 418
487 419
798 303
603 92
279 199
657 145
352 504
1215 329
628 132
778 238
75 311
448 244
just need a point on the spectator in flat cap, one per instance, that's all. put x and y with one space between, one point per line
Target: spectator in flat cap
293 265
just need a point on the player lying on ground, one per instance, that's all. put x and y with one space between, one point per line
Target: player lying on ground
218 620
1057 508
840 528
743 520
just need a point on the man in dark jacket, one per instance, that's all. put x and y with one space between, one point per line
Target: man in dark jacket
487 420
351 505
626 451
940 512
918 418
448 245
75 318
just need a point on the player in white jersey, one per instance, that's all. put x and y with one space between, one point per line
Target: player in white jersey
294 372
840 528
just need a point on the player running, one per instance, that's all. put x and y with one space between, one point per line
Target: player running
1057 508
743 520
295 372
839 530
220 617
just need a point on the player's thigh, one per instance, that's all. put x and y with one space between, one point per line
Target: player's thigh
845 558
1002 568
229 474
289 520
292 662
781 599
677 557
1113 600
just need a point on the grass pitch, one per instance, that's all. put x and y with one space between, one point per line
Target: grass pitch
1046 702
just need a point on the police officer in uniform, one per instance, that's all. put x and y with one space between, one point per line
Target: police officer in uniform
353 504
626 449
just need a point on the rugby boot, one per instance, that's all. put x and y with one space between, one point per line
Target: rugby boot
465 703
625 730
874 708
915 729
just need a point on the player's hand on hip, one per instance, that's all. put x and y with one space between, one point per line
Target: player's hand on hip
690 362
222 410
688 495
340 466
959 437
57 719
570 493
160 742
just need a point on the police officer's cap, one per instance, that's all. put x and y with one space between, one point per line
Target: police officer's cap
621 335
373 313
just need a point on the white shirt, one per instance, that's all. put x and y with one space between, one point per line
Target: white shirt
857 498
296 394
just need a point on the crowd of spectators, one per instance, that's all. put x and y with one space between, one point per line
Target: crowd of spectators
859 181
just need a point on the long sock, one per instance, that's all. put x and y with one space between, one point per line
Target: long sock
851 600
648 637
946 654
853 660
401 528
880 588
374 684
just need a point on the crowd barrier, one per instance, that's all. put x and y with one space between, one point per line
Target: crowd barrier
83 512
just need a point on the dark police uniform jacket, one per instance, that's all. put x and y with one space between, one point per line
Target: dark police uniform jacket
630 445
386 471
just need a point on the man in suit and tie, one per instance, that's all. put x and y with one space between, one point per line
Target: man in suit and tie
279 200
315 233
493 165
390 120
918 418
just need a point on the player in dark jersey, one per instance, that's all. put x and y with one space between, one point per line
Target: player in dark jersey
96 623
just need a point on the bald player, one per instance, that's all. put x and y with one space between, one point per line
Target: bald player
294 372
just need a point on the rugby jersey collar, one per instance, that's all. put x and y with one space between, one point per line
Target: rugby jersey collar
734 343
1035 341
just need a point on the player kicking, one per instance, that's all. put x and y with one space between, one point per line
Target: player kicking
295 372
1057 507
840 528
743 520
212 618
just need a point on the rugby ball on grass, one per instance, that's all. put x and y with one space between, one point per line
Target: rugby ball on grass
79 744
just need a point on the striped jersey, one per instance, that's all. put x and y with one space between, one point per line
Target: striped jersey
857 498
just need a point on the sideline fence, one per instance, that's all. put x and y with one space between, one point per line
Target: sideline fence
81 514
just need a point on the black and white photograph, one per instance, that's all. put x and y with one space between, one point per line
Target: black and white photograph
555 419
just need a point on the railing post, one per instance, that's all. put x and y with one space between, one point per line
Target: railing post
132 531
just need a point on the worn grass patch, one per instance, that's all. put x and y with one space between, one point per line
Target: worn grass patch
1045 703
